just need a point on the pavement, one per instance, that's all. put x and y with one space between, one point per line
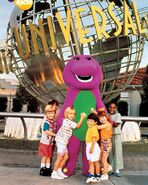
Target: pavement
21 167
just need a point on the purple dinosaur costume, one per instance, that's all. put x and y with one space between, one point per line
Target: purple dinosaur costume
83 75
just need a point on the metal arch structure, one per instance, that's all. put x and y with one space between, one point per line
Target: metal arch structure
41 75
143 13
5 58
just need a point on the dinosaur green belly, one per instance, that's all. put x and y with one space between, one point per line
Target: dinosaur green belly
84 101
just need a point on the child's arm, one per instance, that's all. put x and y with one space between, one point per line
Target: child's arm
92 145
104 126
83 115
49 133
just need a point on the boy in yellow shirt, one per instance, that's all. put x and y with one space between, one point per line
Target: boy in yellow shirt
92 148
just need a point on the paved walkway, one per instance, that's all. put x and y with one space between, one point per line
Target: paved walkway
29 176
30 159
21 167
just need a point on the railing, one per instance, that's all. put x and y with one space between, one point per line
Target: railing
22 116
139 120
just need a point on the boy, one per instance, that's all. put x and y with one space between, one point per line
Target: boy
46 142
92 148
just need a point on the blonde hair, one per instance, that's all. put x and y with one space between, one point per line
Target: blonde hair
68 110
49 108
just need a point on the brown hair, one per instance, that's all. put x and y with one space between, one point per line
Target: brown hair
101 112
94 117
52 102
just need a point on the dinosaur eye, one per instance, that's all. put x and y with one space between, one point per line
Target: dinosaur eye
76 58
88 58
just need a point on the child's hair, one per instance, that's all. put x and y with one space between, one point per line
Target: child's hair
102 112
114 103
94 117
52 102
67 110
49 108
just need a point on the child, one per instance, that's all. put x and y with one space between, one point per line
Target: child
55 105
62 138
46 142
106 143
116 155
92 148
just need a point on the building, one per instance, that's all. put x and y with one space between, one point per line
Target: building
8 89
132 94
7 86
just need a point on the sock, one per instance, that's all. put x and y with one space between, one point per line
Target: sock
117 171
54 172
42 165
47 165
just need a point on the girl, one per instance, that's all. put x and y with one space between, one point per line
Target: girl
116 155
46 142
62 139
106 143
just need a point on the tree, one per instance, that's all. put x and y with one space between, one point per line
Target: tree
144 104
26 98
17 105
3 104
33 105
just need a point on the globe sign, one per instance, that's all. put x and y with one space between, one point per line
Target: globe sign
53 31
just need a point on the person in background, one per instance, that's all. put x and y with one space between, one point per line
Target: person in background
105 127
92 148
46 141
116 155
62 138
54 103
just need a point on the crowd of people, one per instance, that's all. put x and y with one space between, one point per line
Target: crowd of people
103 142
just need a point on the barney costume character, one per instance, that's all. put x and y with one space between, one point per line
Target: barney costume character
83 75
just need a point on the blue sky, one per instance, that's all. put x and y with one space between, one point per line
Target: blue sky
6 8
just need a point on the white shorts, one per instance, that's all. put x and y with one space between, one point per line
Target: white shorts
61 149
95 155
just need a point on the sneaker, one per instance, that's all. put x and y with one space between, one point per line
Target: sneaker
104 177
43 171
118 174
62 174
88 174
91 179
49 171
55 175
98 177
